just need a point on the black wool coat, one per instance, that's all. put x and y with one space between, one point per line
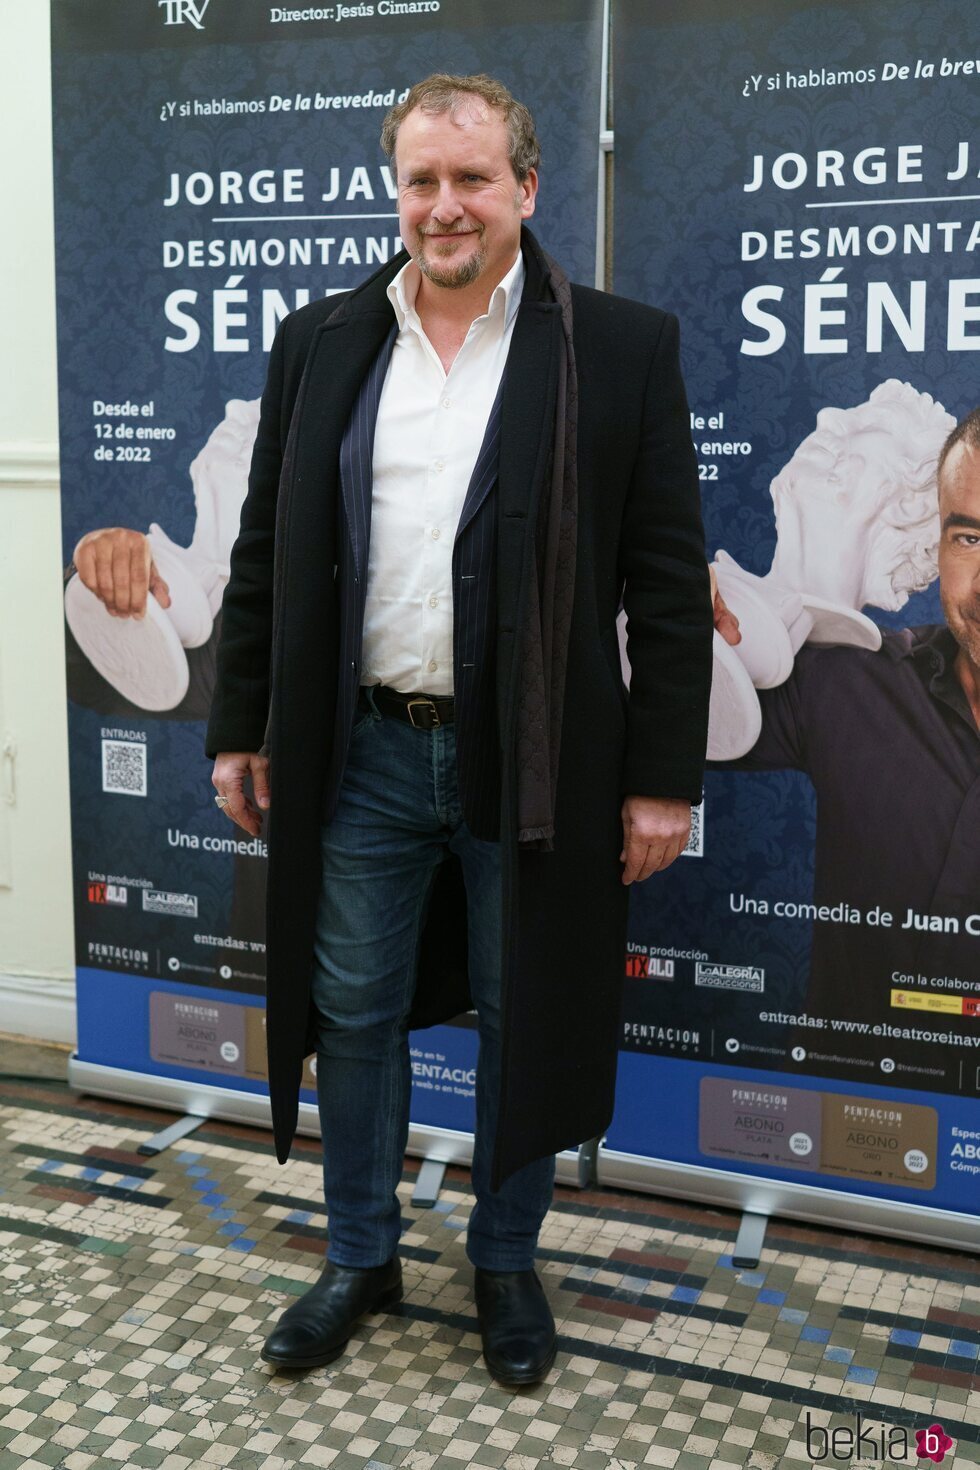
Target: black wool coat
640 538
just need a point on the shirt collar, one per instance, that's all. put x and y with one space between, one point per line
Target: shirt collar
932 650
504 301
931 646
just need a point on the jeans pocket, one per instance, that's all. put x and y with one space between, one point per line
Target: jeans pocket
362 718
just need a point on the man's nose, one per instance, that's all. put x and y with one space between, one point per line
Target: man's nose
447 206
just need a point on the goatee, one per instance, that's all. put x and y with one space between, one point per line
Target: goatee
452 276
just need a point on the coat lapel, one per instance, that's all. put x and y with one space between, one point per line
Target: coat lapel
526 419
341 354
339 358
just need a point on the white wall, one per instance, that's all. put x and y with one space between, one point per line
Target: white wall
36 947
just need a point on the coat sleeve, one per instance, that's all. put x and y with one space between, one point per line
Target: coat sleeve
240 703
666 593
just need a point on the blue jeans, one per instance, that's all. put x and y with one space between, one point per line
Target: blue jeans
397 818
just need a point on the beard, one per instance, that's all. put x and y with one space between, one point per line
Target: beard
964 624
452 275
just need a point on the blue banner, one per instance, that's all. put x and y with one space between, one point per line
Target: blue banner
799 183
217 164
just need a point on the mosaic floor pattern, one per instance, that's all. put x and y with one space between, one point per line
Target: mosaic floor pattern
136 1293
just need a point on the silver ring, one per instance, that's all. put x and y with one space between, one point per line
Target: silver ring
222 801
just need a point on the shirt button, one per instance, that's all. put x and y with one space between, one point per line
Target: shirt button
447 402
440 466
432 665
435 534
433 602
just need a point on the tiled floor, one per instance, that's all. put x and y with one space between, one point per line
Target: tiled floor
137 1292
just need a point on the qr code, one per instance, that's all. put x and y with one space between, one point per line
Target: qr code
695 843
124 767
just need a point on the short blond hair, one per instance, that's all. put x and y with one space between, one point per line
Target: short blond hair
443 92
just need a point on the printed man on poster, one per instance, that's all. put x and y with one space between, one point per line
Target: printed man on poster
888 731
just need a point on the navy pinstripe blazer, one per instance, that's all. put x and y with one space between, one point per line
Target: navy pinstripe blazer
474 605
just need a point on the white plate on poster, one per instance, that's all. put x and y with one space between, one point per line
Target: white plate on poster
189 610
734 713
765 649
142 658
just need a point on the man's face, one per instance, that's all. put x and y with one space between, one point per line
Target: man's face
459 205
959 548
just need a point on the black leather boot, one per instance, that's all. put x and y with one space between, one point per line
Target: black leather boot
316 1329
516 1325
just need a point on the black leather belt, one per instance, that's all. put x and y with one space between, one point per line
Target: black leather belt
424 711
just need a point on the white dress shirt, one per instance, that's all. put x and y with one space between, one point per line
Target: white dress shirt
429 431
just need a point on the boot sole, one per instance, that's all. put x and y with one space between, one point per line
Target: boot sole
510 1379
384 1303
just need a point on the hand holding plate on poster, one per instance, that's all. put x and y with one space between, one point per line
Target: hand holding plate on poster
139 600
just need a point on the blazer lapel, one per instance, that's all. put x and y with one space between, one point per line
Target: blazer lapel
485 469
357 455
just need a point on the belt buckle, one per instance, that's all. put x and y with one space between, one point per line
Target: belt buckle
434 713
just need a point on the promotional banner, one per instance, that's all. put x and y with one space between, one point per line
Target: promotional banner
217 165
798 182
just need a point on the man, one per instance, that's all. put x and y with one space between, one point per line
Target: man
459 469
891 741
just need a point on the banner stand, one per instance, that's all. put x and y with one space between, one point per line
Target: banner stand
159 406
167 912
230 1105
801 1017
732 1191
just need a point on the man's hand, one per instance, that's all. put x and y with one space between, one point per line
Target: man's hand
726 623
118 567
228 779
655 832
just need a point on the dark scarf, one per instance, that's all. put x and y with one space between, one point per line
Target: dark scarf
548 602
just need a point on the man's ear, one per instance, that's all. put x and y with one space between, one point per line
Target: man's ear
529 189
